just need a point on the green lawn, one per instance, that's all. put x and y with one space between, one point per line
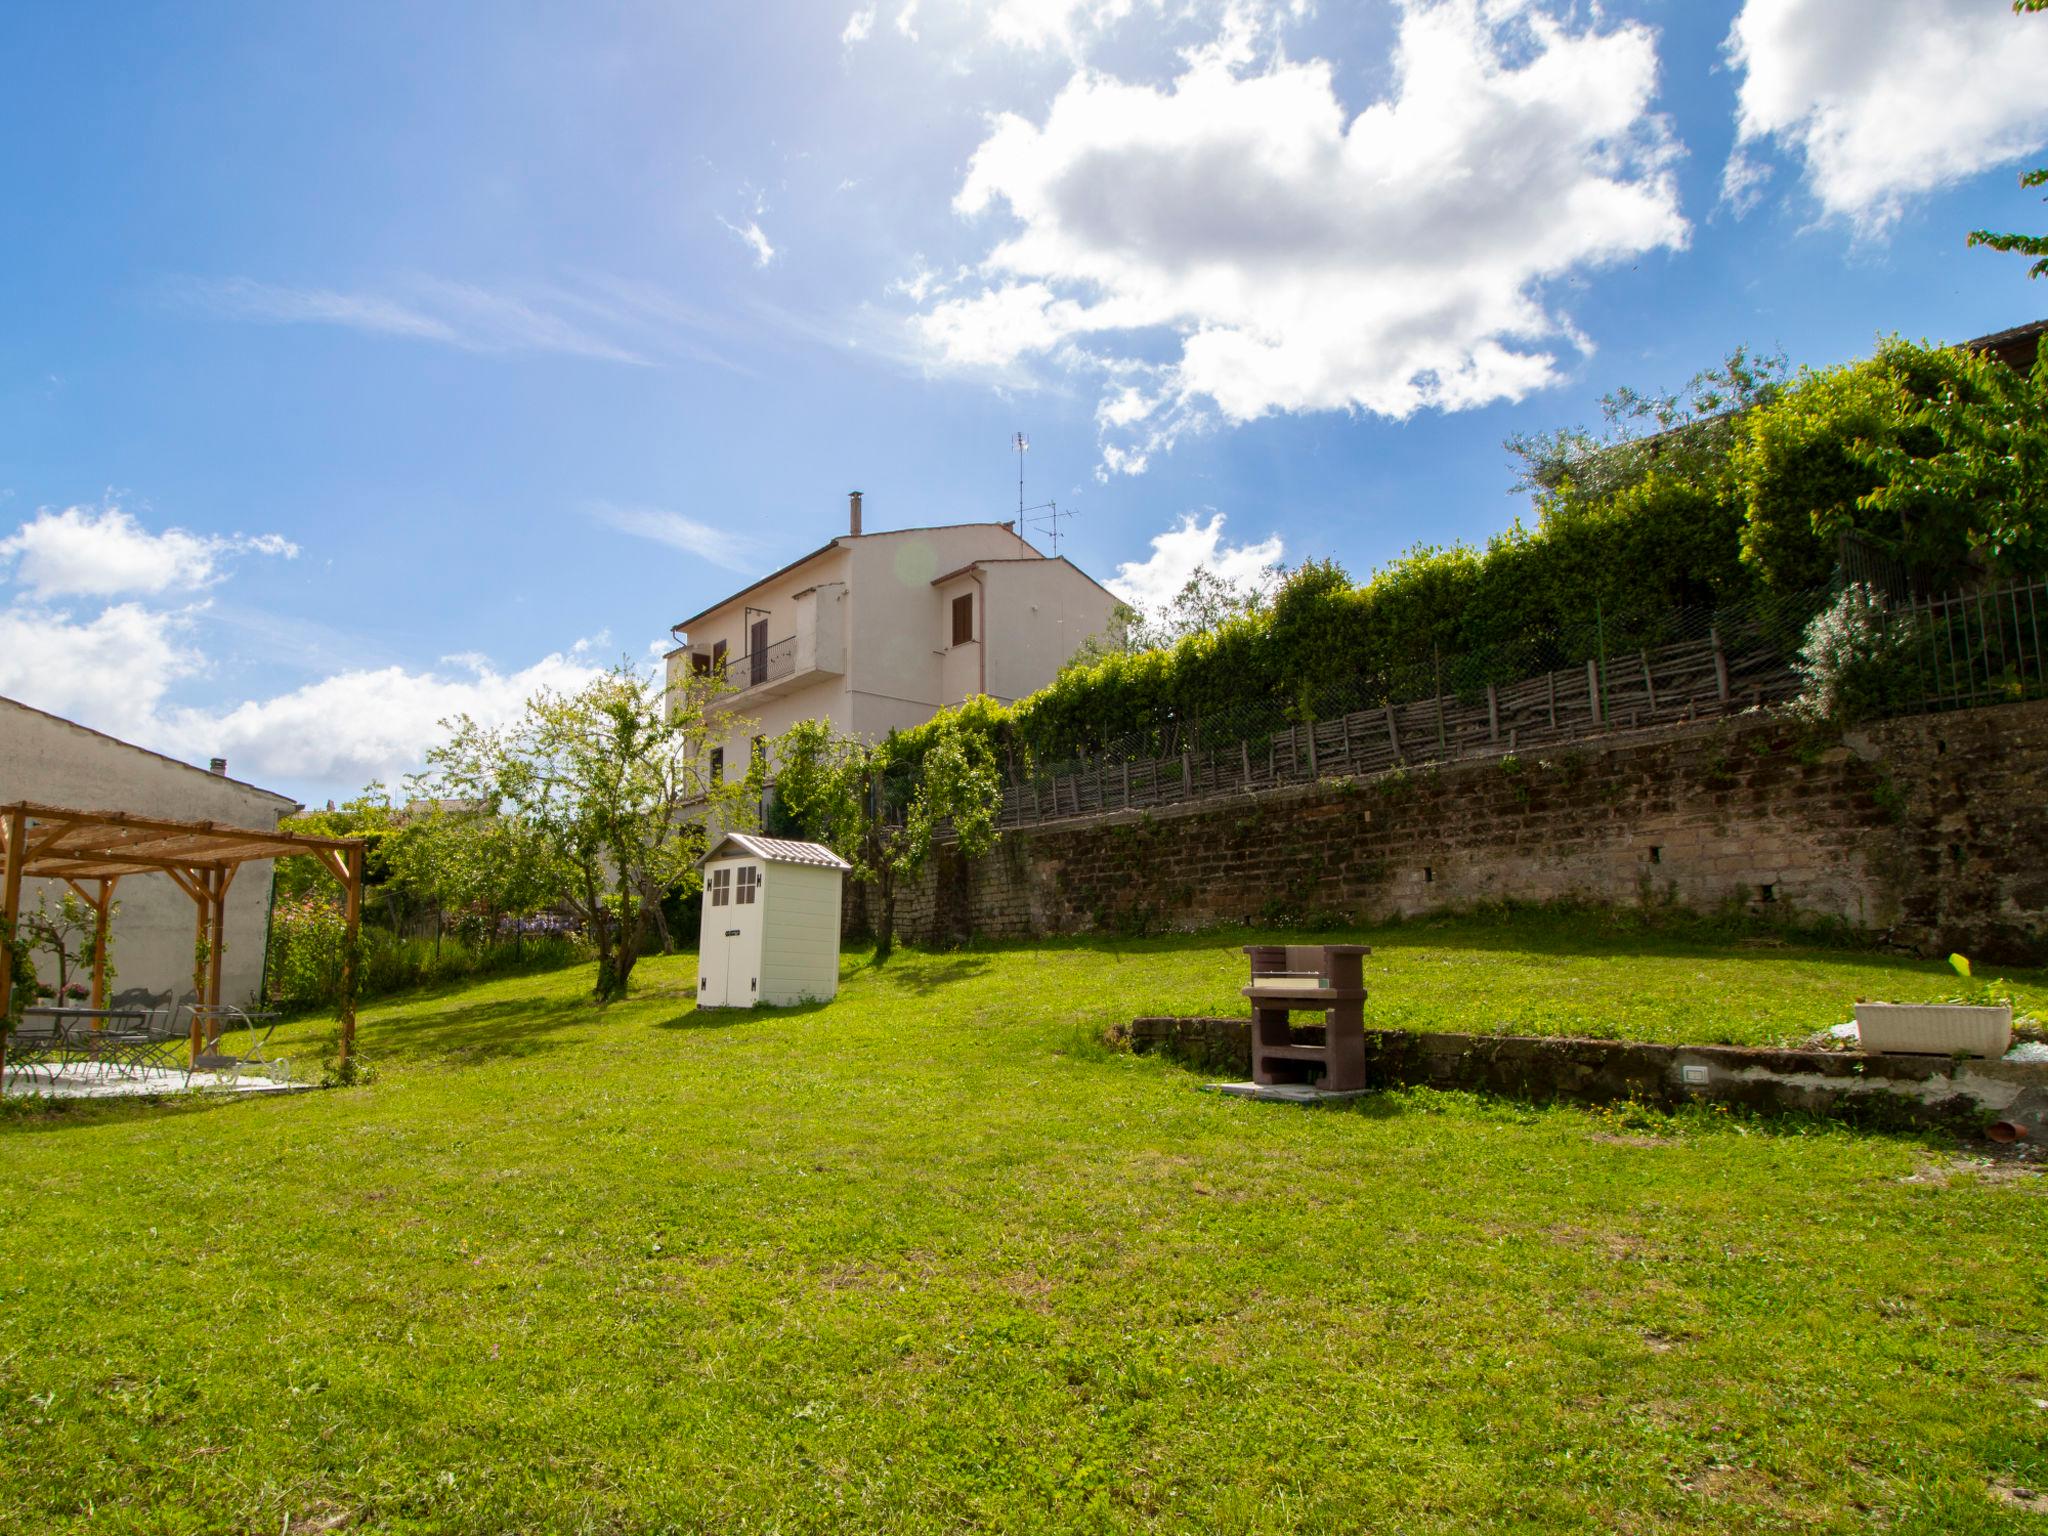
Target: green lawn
930 1259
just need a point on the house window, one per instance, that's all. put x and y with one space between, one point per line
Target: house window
700 664
750 877
963 618
757 756
721 887
718 765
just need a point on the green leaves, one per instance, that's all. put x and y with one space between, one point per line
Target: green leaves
1939 454
602 796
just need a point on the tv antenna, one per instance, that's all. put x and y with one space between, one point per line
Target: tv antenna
1049 513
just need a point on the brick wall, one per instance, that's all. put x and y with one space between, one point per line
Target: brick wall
1933 830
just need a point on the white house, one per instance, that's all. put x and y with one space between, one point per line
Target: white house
770 929
54 761
879 631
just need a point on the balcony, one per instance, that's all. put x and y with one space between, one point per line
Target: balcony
758 668
817 650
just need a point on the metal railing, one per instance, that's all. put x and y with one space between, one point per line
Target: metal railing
777 661
1961 651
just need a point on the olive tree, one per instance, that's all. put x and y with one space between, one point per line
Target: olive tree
613 786
880 809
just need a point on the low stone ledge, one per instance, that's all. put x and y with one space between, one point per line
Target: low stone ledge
1914 1090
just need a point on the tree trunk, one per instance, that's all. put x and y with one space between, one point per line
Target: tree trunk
885 929
668 944
613 977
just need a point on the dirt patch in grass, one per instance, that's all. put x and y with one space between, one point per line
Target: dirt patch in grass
1941 1173
2020 1496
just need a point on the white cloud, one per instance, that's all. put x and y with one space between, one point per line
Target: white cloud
715 545
358 725
1076 28
1044 24
465 315
116 668
110 671
1152 583
1885 99
756 241
1238 247
104 552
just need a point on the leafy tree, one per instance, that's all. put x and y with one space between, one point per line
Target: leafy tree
1206 602
1938 454
66 934
468 860
613 785
2025 245
1684 434
372 817
880 805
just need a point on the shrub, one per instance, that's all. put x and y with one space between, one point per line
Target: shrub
306 942
1855 663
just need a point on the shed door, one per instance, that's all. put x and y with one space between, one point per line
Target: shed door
743 936
729 958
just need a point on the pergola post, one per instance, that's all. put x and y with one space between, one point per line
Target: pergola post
216 951
201 891
101 908
353 867
15 856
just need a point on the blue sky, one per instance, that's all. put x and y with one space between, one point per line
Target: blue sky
367 363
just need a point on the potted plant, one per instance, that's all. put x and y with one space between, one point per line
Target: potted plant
1975 1021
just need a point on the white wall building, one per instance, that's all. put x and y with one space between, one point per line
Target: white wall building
53 761
770 929
876 632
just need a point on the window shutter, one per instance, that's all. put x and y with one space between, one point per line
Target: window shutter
963 618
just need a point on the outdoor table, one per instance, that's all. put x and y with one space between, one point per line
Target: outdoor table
101 1036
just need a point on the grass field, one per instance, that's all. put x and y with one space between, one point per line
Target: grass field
930 1259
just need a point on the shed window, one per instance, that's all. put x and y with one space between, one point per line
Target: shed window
750 878
721 887
963 618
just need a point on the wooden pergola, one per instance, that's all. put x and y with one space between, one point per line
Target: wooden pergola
92 851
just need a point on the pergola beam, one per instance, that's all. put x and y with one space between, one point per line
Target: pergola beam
199 857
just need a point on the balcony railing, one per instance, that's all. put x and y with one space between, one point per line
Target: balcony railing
765 666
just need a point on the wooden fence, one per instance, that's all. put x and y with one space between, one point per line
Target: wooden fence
1687 681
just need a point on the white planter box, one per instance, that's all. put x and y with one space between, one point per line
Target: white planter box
1933 1029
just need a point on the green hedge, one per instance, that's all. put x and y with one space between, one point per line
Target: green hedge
1937 457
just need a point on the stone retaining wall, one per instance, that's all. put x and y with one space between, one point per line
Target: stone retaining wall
1932 831
1925 1090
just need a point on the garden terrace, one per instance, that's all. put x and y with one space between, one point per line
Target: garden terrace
951 1264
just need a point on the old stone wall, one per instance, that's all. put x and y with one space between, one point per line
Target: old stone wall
1965 1095
1931 830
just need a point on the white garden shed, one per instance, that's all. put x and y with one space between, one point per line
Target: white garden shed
770 930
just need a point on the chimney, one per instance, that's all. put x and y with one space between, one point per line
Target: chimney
853 513
218 765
